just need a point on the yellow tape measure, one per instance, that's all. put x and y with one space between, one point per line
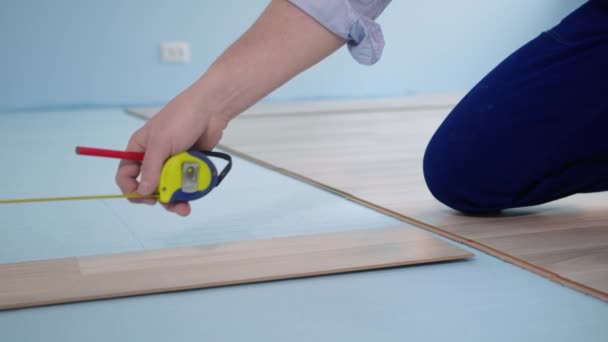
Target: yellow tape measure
185 176
72 198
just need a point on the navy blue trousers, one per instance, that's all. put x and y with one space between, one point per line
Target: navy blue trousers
535 129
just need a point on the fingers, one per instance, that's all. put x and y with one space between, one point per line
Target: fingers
182 208
128 170
156 154
126 176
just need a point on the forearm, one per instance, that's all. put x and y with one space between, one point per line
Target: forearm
283 42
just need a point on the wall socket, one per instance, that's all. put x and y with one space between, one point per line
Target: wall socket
175 52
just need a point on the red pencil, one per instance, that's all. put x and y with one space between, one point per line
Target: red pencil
100 152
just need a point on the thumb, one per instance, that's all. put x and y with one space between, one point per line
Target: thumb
155 157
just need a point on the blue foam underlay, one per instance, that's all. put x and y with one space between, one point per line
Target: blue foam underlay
483 299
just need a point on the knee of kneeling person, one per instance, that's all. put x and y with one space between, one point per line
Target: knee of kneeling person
457 184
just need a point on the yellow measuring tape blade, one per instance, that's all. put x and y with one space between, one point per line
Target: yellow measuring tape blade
73 198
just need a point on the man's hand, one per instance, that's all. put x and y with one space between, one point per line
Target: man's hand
283 42
179 126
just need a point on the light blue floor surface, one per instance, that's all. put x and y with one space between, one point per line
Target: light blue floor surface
483 299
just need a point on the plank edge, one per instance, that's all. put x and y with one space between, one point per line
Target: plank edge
311 274
420 224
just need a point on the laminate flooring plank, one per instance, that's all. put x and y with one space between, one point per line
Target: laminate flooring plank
116 275
376 158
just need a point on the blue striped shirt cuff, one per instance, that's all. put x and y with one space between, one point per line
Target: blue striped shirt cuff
353 20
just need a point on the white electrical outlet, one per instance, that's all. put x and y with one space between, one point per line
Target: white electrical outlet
175 52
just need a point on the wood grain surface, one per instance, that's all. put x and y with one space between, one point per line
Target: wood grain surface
375 158
74 279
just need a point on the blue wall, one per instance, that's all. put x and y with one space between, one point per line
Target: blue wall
79 53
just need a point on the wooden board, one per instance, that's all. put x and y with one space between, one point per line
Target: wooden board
418 101
375 158
116 275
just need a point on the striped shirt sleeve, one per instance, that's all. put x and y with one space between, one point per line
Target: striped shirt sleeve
353 20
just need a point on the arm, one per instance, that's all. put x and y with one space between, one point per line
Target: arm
283 42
